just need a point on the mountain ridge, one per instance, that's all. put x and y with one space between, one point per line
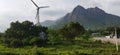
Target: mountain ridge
90 18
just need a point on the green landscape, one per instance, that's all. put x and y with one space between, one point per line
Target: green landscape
91 28
72 39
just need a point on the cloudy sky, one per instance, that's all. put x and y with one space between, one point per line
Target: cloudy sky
21 10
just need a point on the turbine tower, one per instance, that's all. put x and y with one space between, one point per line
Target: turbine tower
116 39
37 14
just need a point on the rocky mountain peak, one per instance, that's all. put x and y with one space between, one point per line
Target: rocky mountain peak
96 10
79 10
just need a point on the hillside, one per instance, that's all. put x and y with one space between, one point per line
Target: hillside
48 23
90 18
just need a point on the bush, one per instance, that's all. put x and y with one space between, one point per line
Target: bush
71 30
15 43
37 41
19 34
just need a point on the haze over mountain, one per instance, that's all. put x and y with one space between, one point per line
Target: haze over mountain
90 18
48 23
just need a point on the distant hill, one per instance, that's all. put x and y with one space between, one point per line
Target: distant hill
90 18
48 23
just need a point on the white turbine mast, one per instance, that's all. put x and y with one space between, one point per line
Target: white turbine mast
116 39
37 14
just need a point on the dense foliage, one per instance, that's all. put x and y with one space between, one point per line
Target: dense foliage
71 30
107 31
111 30
71 39
21 34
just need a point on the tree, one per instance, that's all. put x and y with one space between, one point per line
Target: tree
22 32
111 30
37 41
71 30
54 37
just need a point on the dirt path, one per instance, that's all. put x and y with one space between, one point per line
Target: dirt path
103 39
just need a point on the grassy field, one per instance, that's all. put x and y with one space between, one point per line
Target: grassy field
76 48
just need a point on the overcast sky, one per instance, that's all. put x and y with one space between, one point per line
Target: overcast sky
21 10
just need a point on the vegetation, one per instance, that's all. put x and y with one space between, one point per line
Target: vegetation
72 39
72 30
106 31
21 34
80 48
111 30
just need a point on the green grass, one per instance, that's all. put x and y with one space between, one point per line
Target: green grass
78 48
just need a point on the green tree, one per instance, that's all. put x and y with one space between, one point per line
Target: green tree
22 32
37 41
54 37
111 30
71 30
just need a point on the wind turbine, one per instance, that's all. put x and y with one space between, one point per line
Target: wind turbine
37 14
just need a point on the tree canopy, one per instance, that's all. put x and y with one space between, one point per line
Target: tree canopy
23 33
71 30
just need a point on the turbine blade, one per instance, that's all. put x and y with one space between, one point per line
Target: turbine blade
44 7
34 3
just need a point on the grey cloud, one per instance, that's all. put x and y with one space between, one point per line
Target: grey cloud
115 3
54 12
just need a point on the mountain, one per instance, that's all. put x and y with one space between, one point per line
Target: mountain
90 18
47 23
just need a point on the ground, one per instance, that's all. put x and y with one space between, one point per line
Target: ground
104 39
77 48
